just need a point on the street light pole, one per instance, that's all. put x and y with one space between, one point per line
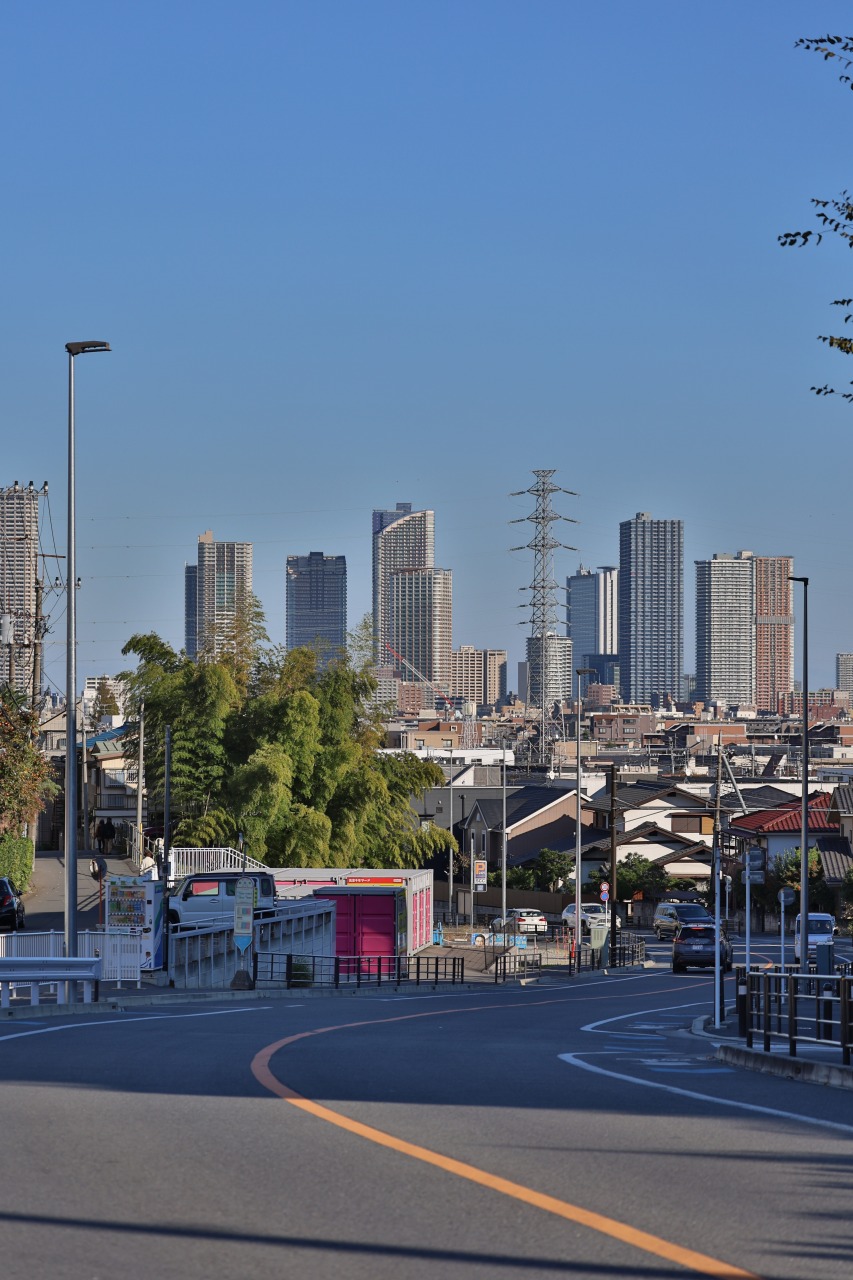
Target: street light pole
74 349
450 851
804 816
579 671
503 840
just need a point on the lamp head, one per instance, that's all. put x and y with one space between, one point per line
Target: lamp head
80 348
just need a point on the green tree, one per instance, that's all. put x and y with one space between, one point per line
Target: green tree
25 779
834 215
552 870
105 701
786 873
635 876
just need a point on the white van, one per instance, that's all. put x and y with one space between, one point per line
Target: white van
208 897
821 928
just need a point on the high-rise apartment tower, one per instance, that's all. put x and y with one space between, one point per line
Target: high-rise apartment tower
223 589
651 607
19 544
422 624
317 604
725 629
592 613
402 539
774 630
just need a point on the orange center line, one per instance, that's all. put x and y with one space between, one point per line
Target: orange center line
643 1240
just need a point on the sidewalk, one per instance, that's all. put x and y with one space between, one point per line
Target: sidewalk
45 899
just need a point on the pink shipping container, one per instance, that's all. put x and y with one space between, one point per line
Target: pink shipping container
379 912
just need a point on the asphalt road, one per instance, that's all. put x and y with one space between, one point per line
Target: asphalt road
577 1131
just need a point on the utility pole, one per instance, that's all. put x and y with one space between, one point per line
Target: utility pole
612 862
139 776
86 845
718 977
38 635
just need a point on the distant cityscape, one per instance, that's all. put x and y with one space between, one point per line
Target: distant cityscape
622 626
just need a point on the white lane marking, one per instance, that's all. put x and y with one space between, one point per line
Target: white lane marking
111 1022
574 1061
643 1013
533 992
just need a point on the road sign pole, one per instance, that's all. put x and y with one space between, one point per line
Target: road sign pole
782 905
748 916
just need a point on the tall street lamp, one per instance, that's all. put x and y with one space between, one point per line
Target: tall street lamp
74 349
804 817
579 671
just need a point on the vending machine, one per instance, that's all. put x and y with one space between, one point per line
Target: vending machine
135 904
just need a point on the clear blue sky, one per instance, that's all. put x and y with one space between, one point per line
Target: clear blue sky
354 254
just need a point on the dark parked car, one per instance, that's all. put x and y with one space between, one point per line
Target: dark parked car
11 905
670 915
693 946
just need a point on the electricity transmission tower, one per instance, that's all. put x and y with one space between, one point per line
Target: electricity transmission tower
543 682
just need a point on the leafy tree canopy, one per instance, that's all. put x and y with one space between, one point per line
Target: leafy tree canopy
267 746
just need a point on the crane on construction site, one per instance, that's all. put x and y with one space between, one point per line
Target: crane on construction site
467 736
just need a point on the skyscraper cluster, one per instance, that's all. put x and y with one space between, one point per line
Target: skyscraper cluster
744 620
412 619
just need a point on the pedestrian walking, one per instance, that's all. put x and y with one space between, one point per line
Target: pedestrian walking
100 838
109 835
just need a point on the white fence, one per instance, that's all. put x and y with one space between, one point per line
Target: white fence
187 861
120 953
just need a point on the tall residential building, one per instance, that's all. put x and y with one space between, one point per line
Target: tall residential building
558 665
317 604
223 591
725 629
478 675
191 610
402 539
774 630
592 613
494 676
651 607
19 544
421 623
844 672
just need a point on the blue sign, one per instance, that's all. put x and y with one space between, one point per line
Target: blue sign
605 894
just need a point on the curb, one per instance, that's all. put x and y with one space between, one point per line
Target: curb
836 1077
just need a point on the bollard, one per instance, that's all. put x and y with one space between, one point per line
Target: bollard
742 1002
826 1018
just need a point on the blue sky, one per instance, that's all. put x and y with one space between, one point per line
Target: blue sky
354 254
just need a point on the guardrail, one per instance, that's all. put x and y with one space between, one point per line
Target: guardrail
37 971
335 972
120 954
797 1008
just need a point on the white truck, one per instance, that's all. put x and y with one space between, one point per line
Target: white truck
822 927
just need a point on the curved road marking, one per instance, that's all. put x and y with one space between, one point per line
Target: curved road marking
626 1234
574 1060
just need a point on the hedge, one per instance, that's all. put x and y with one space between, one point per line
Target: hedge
16 859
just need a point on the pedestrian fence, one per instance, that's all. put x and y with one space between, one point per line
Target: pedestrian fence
793 1008
120 953
335 972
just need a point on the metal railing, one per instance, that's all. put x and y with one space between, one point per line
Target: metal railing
517 966
797 1008
206 955
336 972
120 953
